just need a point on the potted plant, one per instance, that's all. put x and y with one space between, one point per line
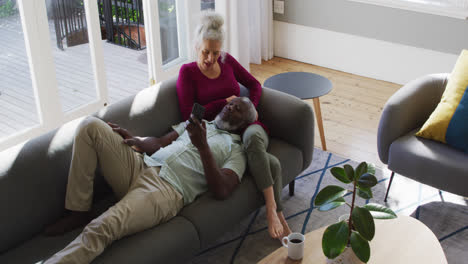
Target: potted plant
353 235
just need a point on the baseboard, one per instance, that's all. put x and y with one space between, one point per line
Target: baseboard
367 57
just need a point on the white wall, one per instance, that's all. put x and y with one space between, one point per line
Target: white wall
359 55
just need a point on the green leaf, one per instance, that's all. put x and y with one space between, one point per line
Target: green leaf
332 205
349 171
360 246
367 180
371 168
340 174
364 193
334 239
360 170
379 211
363 222
328 194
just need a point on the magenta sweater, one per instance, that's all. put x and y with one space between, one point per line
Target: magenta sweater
193 86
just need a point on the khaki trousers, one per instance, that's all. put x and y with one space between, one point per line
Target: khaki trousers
145 198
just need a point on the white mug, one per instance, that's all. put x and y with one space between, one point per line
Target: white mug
295 244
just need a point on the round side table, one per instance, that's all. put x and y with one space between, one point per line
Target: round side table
304 85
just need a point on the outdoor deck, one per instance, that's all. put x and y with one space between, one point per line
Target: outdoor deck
127 73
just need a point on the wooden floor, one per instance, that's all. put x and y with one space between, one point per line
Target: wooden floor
350 112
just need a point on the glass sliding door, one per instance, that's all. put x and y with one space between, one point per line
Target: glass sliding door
18 109
167 35
168 30
70 47
123 30
51 66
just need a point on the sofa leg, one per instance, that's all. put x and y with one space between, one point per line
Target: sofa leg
389 184
291 188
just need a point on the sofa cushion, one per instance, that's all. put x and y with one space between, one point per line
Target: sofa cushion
290 157
160 244
203 212
417 158
33 178
449 121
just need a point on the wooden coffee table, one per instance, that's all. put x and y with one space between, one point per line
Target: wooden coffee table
400 240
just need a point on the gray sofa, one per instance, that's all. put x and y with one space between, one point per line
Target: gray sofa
33 177
423 160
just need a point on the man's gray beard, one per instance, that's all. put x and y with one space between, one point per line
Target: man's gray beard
224 125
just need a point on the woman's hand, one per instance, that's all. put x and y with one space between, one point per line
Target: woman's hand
229 99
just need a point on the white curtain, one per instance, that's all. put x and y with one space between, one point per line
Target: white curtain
249 29
261 30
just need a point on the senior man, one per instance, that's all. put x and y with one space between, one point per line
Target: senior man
154 186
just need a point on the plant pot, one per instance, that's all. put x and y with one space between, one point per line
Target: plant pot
347 257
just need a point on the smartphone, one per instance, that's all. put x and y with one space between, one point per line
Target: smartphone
198 111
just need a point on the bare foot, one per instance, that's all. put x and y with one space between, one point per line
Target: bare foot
284 223
275 228
67 223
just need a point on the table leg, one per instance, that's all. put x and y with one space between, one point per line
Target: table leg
318 115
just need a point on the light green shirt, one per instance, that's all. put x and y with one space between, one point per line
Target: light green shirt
181 164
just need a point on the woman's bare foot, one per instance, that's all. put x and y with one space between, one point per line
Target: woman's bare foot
67 223
275 228
284 223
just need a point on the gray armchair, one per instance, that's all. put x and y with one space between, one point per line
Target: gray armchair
426 161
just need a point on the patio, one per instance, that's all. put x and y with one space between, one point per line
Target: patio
126 69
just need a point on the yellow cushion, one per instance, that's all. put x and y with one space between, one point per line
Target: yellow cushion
438 123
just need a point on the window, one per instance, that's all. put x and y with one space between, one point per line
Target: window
70 48
64 59
168 30
461 4
450 8
124 47
450 4
167 23
207 4
18 109
60 86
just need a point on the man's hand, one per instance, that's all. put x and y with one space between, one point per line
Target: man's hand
149 145
197 133
122 131
221 182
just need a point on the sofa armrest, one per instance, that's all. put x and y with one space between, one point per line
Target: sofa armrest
289 119
408 109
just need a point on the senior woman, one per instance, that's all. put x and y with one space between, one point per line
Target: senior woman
212 81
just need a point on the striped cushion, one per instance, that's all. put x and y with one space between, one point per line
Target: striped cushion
449 121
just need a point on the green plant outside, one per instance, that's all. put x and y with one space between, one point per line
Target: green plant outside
8 9
360 229
133 14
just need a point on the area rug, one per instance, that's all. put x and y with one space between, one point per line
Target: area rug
444 213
